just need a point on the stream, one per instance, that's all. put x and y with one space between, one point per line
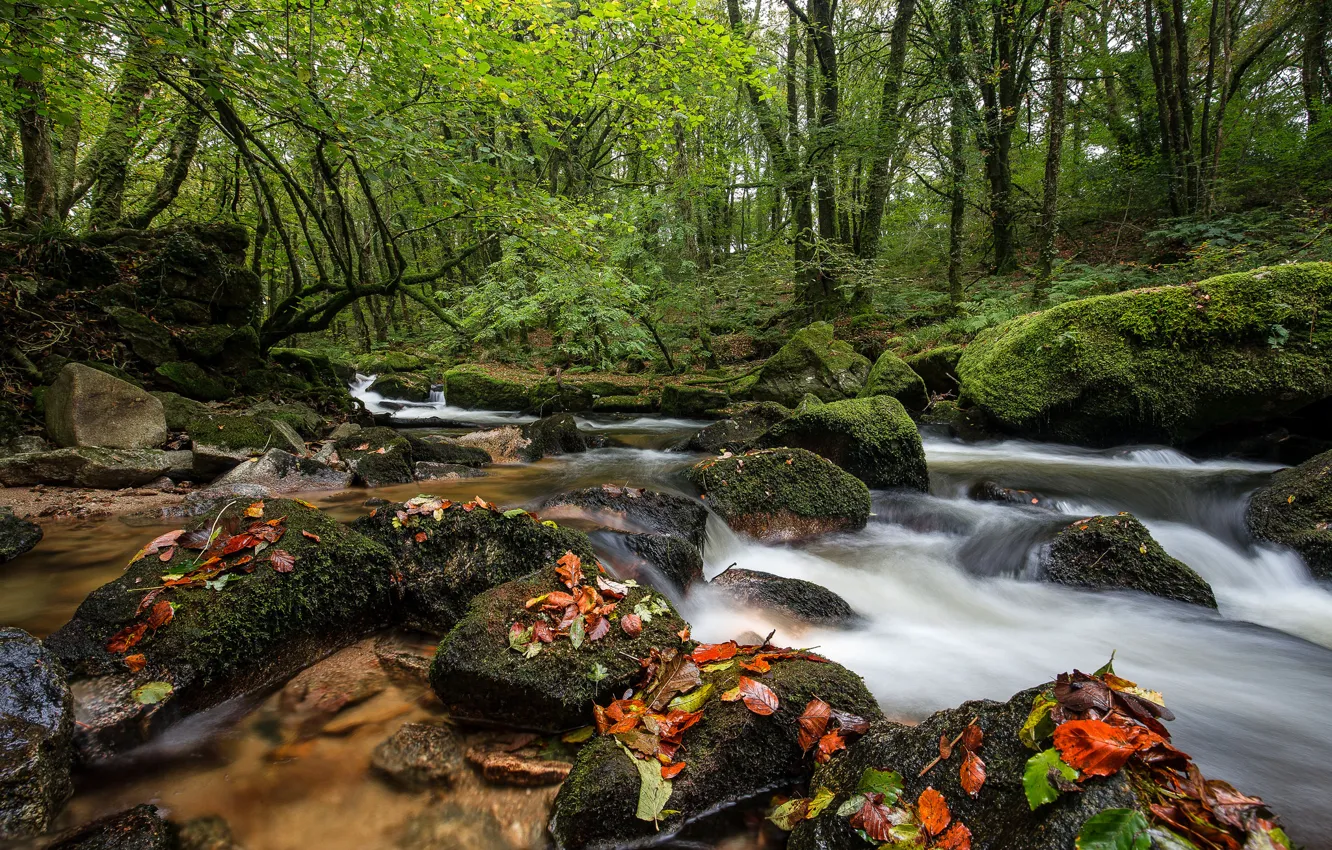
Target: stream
945 586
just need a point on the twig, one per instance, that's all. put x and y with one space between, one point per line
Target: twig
951 744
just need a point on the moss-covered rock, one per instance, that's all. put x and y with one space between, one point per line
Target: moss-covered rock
403 386
36 729
731 755
793 599
741 429
1168 364
998 816
181 411
872 438
379 457
938 367
254 630
1295 510
556 395
191 381
811 362
1118 553
440 450
479 677
632 509
554 435
891 376
681 400
463 553
16 535
300 416
313 367
626 403
139 828
149 341
88 407
86 466
783 494
476 387
660 560
956 421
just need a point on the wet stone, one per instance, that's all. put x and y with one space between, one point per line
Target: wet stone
420 755
139 828
36 729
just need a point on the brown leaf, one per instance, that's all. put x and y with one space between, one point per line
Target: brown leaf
599 629
167 554
256 509
569 569
127 637
875 818
1080 695
828 744
161 614
310 535
1095 747
945 747
282 560
135 663
813 722
932 809
542 632
160 542
148 599
852 724
362 447
958 837
972 773
972 738
758 697
632 625
420 537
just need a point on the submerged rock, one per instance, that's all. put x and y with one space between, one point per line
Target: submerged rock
783 494
739 432
420 755
812 362
281 472
36 732
1295 510
209 832
449 826
16 535
139 828
428 471
1167 364
633 509
872 438
524 767
731 755
445 562
346 678
88 407
244 633
891 376
553 435
86 466
1118 553
793 599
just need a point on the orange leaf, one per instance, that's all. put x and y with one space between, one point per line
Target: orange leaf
813 722
829 744
160 615
670 771
708 652
310 535
122 640
958 837
570 569
362 447
972 773
167 554
945 747
135 662
420 537
933 811
255 509
1095 747
632 625
758 697
972 738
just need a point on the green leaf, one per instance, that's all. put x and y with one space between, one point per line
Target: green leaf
885 782
598 673
152 692
788 814
510 514
692 701
653 792
221 581
1036 777
1167 840
906 834
520 639
1039 724
579 735
821 800
1108 667
576 632
644 612
718 666
1115 829
850 806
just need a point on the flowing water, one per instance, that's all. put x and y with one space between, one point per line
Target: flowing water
952 612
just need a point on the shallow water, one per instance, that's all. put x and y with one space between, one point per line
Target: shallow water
952 613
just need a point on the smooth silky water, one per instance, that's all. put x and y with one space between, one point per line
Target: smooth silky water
951 613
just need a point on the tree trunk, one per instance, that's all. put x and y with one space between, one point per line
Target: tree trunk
108 169
957 116
888 132
1053 154
39 177
1313 60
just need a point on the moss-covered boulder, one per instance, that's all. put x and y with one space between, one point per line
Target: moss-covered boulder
792 599
938 368
444 450
149 341
956 421
379 457
181 411
873 438
191 381
139 828
221 441
741 429
403 386
731 755
303 419
484 388
557 395
88 407
313 367
479 674
782 494
239 633
1118 553
86 466
1168 364
632 509
661 560
891 376
36 730
16 535
447 555
811 362
554 435
681 400
1295 510
626 404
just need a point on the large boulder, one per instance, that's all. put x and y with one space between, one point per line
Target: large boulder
484 672
792 599
403 386
16 535
1167 364
139 828
938 368
811 362
308 423
731 754
662 560
1118 553
633 509
554 435
36 732
681 400
86 466
379 457
740 430
181 411
190 380
872 438
1295 510
149 341
317 587
88 407
221 441
891 376
444 450
782 494
489 387
282 472
447 553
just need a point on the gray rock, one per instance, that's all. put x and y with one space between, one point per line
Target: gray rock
281 472
344 429
307 422
139 828
212 497
148 340
181 465
293 441
88 407
207 460
1295 510
427 470
23 444
420 755
633 509
739 432
85 466
16 535
36 729
792 598
658 559
451 827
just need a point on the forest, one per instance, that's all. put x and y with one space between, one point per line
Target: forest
696 424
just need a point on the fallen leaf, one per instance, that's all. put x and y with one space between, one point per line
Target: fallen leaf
570 569
707 652
874 818
972 773
127 637
813 722
972 738
161 614
152 692
1038 777
1094 747
789 814
1115 829
420 537
958 837
282 560
579 735
167 554
670 771
157 544
691 701
758 697
541 631
148 599
135 663
828 744
654 790
310 535
256 509
599 629
362 447
932 809
945 747
632 625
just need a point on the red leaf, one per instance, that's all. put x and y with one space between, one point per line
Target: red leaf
758 697
599 628
158 543
148 599
311 535
234 544
972 738
160 615
958 837
670 771
135 663
167 554
1095 747
972 773
829 744
570 569
632 625
282 560
122 640
813 722
932 809
420 537
708 652
541 631
674 723
362 447
874 818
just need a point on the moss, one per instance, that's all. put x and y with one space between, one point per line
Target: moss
553 395
1112 553
479 387
680 400
192 381
732 755
811 362
181 411
872 438
478 676
317 368
386 459
1164 364
440 452
1295 510
404 386
235 431
938 367
464 553
626 404
782 493
299 416
891 376
148 340
965 424
738 433
113 371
